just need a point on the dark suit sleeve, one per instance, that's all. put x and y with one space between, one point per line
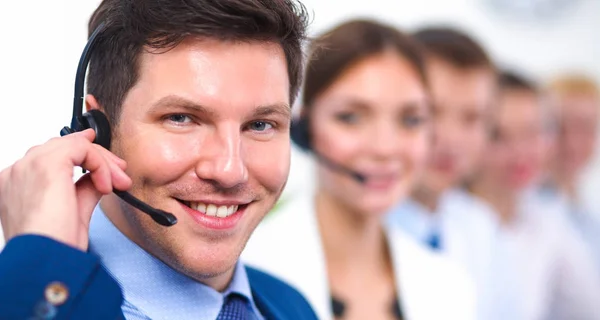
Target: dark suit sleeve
40 277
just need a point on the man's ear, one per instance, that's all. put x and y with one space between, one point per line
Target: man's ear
91 103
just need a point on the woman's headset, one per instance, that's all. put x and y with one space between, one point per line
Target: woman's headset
300 135
299 132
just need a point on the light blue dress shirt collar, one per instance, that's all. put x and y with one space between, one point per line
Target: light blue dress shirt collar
152 289
413 218
417 220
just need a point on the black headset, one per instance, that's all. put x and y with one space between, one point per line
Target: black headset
300 135
98 121
299 132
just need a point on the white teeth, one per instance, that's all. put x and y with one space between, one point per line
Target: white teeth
222 212
213 210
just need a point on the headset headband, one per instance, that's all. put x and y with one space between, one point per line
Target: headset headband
78 97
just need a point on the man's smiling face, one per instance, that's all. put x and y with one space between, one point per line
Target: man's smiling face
205 133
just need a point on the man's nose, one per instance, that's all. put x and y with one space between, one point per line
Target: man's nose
448 133
221 159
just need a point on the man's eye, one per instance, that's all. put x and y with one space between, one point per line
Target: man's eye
179 118
412 121
260 126
347 117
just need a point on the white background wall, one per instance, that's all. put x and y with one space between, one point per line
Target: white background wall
41 40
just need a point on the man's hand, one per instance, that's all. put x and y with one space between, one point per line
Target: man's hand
38 196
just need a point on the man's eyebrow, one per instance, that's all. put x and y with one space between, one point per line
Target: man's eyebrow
281 109
417 104
174 102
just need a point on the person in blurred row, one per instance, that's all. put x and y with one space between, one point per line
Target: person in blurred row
439 213
554 273
577 102
365 111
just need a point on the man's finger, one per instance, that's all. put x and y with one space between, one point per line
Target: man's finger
111 156
89 134
84 154
4 174
119 179
87 197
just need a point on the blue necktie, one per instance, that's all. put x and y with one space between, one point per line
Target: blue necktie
434 241
234 308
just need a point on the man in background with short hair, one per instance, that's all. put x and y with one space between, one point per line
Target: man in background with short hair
440 214
576 99
552 273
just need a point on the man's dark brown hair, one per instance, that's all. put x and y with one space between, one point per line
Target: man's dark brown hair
510 80
339 48
453 46
133 25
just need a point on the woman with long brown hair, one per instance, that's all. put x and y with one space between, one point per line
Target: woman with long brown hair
364 119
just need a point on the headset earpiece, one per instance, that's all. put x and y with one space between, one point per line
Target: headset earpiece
299 132
96 120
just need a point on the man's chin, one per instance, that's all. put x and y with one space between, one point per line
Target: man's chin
208 269
436 184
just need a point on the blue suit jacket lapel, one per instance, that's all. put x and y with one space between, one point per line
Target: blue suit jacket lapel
266 307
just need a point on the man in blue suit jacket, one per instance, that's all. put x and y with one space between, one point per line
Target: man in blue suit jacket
189 110
56 281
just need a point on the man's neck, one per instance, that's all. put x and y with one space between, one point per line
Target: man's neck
503 201
567 185
427 197
113 209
